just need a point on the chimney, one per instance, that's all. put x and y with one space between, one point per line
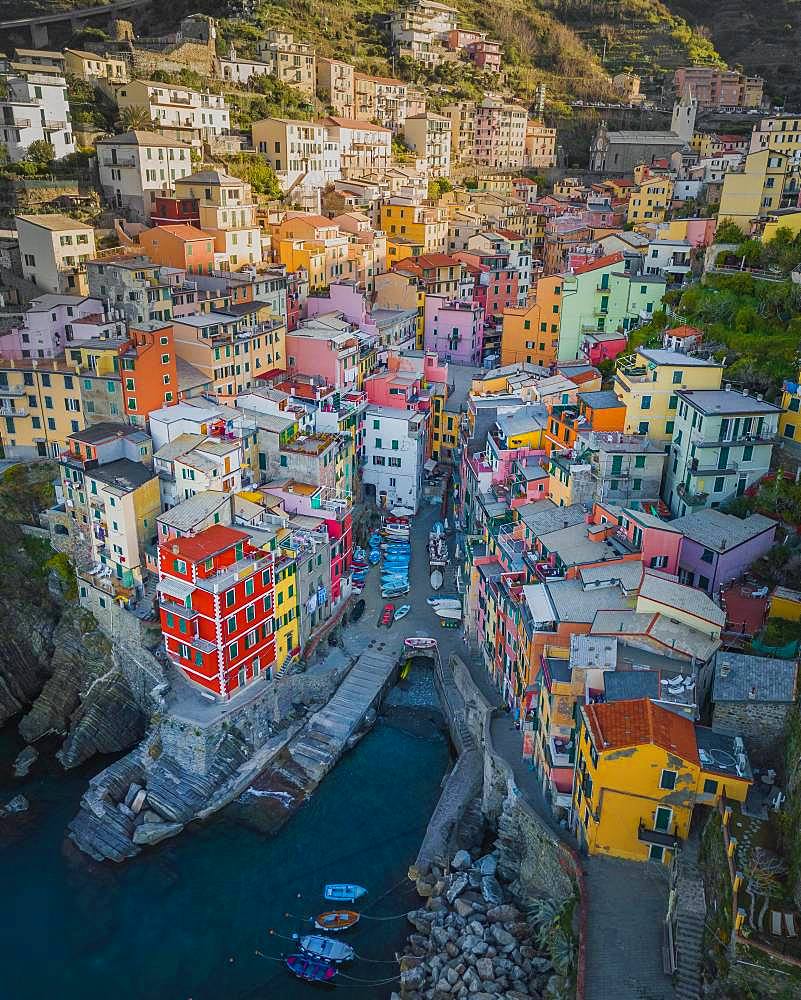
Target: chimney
727 387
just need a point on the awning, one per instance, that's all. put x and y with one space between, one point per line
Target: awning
175 588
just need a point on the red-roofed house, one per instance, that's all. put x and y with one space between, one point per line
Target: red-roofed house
216 605
682 338
640 771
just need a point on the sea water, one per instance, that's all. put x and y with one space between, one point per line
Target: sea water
188 918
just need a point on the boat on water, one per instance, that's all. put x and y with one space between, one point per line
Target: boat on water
448 602
336 920
454 613
343 892
402 611
325 948
437 579
374 557
394 592
313 970
420 642
443 598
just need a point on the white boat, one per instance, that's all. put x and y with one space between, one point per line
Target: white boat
420 642
454 613
402 611
324 947
447 602
437 579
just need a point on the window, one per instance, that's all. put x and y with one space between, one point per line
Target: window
230 625
673 402
663 818
250 613
719 481
249 587
748 453
179 565
668 779
643 427
655 853
678 378
658 562
639 462
669 427
230 597
703 582
646 403
233 651
708 556
637 485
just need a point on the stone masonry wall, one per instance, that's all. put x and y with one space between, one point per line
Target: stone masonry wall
761 725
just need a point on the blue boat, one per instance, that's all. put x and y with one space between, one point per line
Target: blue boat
343 892
374 558
313 970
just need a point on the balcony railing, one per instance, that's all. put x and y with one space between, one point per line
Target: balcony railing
11 390
694 499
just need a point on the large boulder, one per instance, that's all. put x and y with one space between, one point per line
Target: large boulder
147 834
491 890
461 861
24 761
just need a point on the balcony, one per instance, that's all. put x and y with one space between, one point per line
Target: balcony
634 373
225 578
202 645
19 123
691 497
121 161
7 391
178 609
660 838
559 754
8 411
767 435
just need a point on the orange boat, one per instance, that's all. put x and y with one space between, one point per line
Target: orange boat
336 920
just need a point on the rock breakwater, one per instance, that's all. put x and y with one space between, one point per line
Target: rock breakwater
472 939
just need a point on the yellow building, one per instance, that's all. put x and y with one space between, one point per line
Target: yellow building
91 66
297 253
786 604
421 225
44 401
767 181
287 608
639 775
790 418
650 197
648 382
788 218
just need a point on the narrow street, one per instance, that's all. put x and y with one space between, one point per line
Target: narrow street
626 901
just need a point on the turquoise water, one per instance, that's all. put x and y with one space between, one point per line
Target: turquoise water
185 920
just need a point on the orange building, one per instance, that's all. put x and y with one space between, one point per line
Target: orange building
531 333
599 410
148 370
180 246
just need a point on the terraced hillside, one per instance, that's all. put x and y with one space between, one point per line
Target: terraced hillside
763 38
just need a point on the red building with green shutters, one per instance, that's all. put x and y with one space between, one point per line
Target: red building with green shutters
216 603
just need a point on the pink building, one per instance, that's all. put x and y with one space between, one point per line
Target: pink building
335 510
52 321
327 346
399 389
598 347
486 55
700 232
454 329
460 38
659 543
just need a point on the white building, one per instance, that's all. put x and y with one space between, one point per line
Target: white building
227 211
395 452
54 250
669 259
420 28
196 416
362 145
238 70
429 135
137 166
194 464
300 152
36 109
191 114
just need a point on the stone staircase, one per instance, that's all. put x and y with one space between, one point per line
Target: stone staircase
690 919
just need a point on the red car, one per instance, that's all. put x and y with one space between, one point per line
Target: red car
387 615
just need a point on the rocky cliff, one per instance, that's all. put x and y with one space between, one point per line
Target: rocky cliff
55 665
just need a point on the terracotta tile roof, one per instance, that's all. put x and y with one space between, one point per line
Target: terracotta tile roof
619 724
509 234
612 258
206 544
683 331
354 123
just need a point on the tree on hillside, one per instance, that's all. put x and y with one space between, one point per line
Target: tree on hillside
133 119
729 232
41 153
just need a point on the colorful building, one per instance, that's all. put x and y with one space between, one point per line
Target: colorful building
648 385
531 333
640 771
217 609
182 246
